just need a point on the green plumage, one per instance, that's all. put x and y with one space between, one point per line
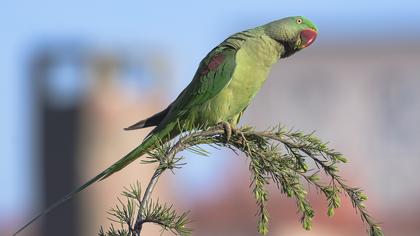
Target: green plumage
226 81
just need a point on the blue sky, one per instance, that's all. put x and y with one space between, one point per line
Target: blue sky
186 29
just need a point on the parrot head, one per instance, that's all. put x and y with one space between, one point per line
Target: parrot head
293 33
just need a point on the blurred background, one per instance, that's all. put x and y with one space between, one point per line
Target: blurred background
74 73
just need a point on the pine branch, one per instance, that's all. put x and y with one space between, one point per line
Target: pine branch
153 212
276 155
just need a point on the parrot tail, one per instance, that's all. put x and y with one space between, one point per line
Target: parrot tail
145 146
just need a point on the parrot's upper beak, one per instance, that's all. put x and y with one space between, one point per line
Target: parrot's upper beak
307 36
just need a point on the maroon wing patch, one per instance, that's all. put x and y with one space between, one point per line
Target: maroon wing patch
213 64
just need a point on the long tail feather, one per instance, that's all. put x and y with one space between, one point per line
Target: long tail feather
117 166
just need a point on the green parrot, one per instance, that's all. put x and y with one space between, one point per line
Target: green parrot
226 81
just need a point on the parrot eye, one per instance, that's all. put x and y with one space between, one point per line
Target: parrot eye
299 21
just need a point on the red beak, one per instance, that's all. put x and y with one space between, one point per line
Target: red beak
307 36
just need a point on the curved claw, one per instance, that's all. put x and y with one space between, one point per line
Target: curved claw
228 130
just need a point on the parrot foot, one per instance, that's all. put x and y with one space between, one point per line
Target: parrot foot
228 130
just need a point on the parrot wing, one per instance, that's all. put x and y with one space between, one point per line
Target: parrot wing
213 74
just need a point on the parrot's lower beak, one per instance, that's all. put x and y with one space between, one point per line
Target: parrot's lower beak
307 37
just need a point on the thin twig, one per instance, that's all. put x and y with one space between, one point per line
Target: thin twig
152 183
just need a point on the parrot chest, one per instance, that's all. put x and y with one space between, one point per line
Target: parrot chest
253 63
